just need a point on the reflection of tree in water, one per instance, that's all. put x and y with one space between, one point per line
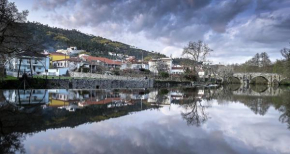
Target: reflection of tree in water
10 142
257 105
17 122
282 104
195 113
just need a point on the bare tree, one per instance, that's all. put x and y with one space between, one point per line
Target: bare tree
265 60
197 51
286 53
160 66
226 72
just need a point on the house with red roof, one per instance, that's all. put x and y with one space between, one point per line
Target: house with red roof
92 61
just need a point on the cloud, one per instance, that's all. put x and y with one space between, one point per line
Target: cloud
239 28
51 4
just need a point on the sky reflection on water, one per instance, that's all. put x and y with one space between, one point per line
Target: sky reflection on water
230 127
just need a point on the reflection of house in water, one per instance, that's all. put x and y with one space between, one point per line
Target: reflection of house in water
65 99
132 98
101 98
161 99
176 96
26 97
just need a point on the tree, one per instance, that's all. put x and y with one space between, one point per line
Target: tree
197 51
226 72
255 61
265 61
286 53
160 66
12 38
15 35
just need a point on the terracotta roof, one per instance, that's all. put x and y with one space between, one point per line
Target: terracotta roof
102 59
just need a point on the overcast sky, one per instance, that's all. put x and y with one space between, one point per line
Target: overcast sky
234 29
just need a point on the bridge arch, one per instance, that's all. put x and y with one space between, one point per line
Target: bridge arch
234 79
254 79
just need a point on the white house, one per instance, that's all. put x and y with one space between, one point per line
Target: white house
135 65
57 71
28 62
25 97
70 51
153 64
177 69
200 72
71 63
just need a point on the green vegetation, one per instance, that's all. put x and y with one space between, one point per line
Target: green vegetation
285 82
53 38
10 78
164 74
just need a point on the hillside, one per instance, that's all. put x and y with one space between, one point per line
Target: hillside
53 38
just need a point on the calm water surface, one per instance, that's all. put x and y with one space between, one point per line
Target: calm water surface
223 120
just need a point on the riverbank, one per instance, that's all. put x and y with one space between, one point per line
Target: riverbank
39 83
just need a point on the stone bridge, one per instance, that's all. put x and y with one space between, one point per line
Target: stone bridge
266 91
272 78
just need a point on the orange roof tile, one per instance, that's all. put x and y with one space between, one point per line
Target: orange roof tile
102 59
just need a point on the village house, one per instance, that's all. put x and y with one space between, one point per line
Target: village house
70 63
165 62
135 65
101 61
55 56
70 51
27 62
177 69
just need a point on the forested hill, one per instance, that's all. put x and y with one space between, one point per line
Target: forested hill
53 38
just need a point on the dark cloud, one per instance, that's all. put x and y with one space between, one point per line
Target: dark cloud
162 18
51 4
232 24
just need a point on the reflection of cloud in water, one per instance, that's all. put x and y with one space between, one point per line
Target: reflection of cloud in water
231 129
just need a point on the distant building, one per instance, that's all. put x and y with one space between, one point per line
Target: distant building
135 65
55 56
70 51
28 62
177 69
167 62
102 62
70 63
58 71
200 72
26 97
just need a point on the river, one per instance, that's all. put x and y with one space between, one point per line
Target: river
224 120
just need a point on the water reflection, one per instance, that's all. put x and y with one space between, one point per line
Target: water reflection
27 113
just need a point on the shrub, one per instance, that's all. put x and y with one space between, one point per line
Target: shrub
164 74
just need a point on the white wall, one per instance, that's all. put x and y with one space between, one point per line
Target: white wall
57 71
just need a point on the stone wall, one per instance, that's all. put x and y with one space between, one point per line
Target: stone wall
99 83
102 76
